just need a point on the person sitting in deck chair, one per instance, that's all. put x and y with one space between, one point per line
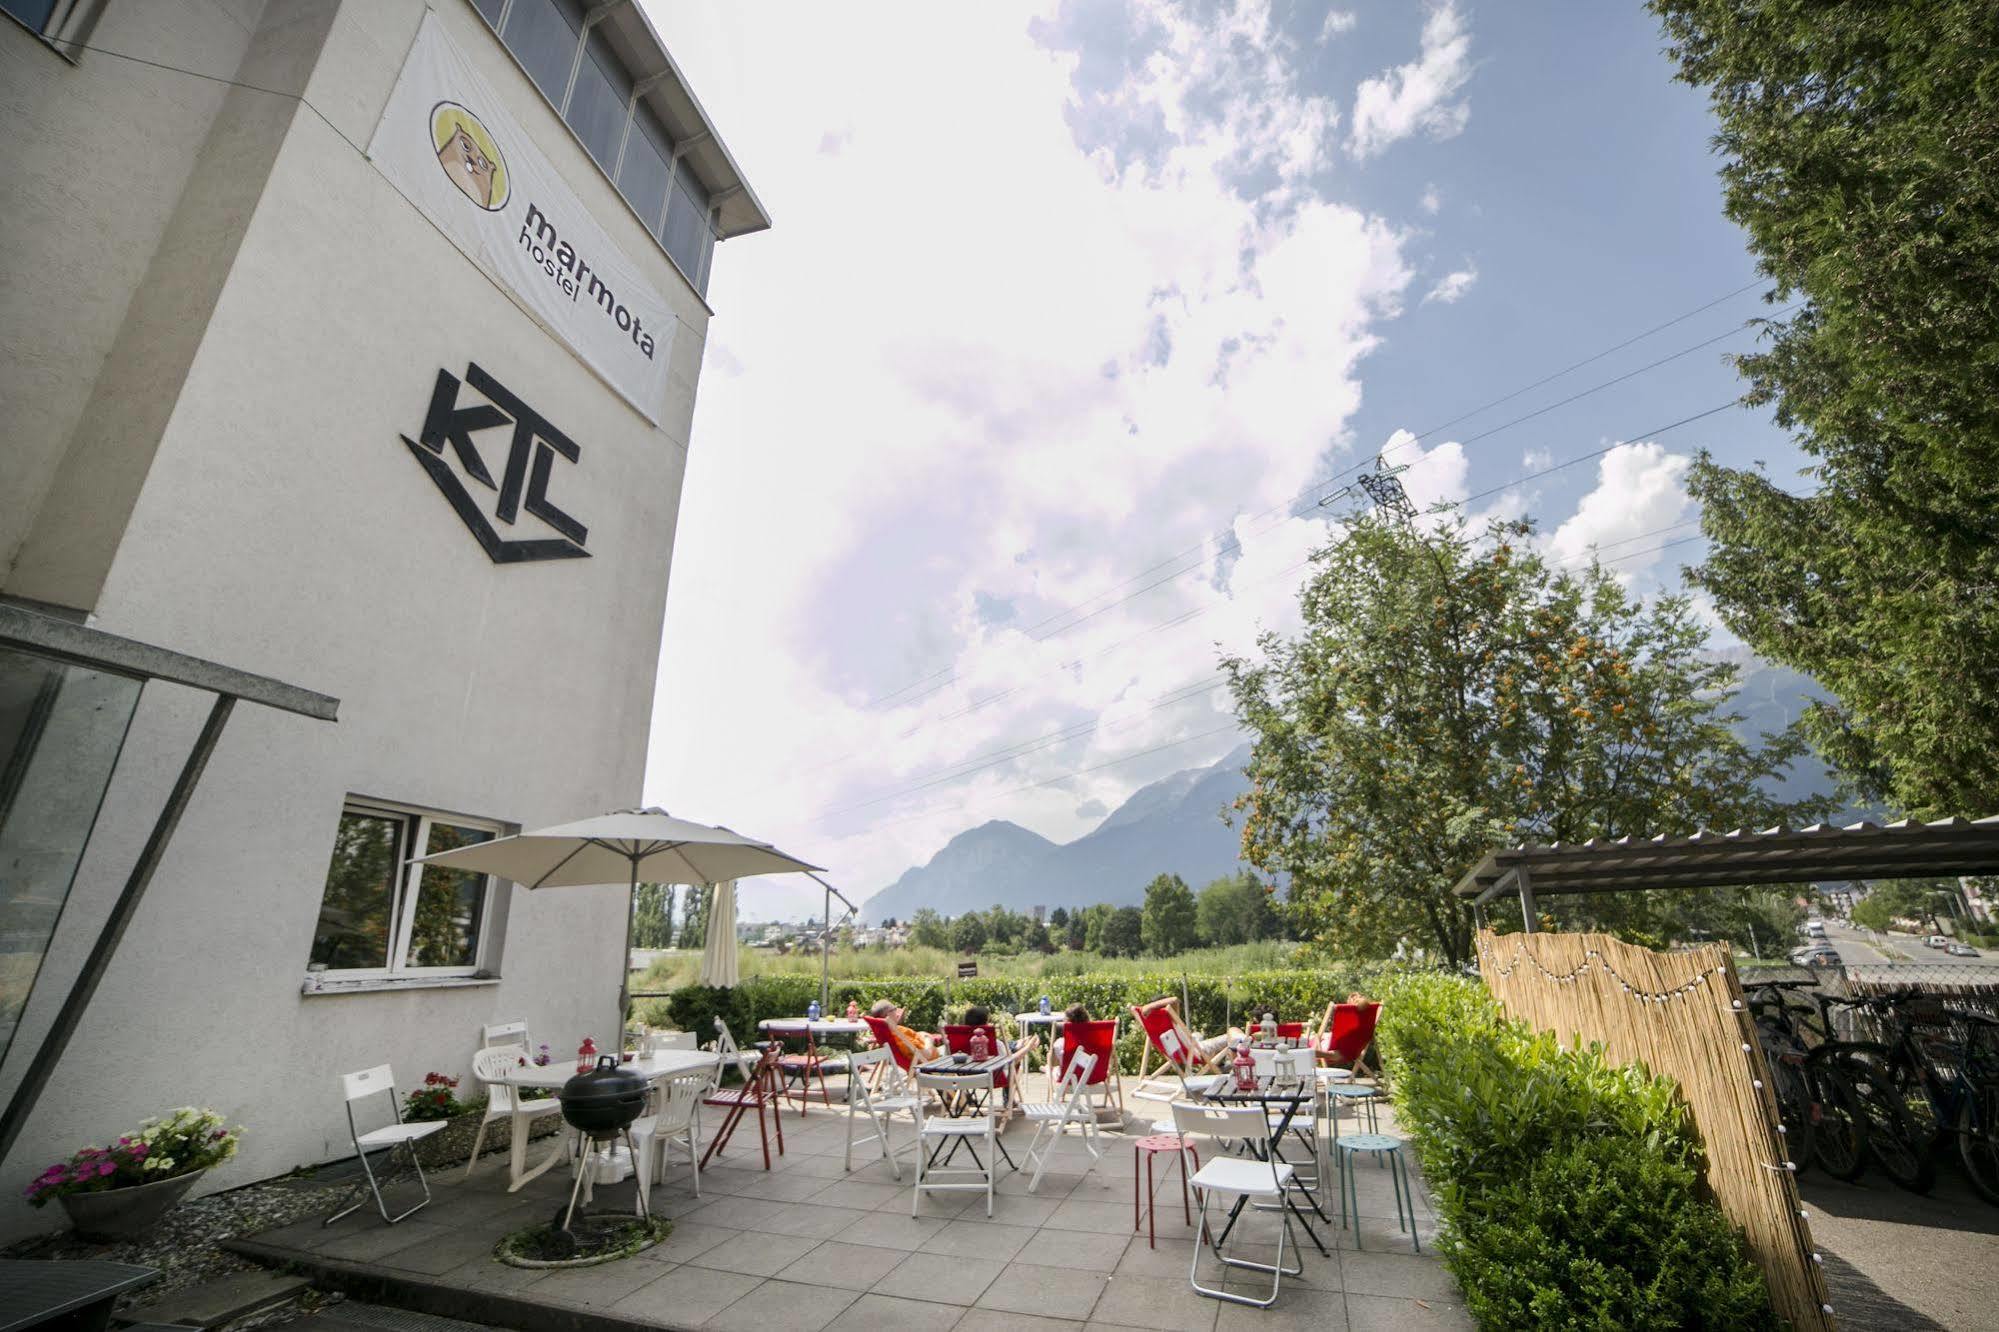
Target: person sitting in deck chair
912 1047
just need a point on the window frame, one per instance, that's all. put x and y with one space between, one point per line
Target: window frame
413 833
68 28
653 227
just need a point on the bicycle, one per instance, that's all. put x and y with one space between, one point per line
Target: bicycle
1936 1072
1823 1122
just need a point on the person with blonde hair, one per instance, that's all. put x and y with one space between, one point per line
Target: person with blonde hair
912 1046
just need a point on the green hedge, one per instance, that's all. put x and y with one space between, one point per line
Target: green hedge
1568 1188
1214 1001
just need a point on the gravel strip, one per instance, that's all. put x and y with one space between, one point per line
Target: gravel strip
186 1247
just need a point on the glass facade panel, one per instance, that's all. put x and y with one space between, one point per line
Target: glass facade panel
597 102
450 904
542 35
491 9
34 13
360 902
61 729
643 176
687 237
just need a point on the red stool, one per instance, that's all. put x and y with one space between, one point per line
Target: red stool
1147 1148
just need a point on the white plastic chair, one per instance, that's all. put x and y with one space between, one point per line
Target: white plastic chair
1050 1118
492 1067
394 1136
934 1131
891 1099
1244 1177
676 1120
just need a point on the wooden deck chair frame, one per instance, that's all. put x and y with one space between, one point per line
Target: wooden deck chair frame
1323 1036
760 1091
1155 1087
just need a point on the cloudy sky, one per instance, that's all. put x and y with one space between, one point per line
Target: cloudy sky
1023 409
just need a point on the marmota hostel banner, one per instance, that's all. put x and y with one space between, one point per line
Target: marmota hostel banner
447 143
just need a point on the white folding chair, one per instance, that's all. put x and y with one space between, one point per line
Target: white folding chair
491 1068
933 1132
731 1056
1050 1118
394 1136
1247 1178
676 1119
892 1098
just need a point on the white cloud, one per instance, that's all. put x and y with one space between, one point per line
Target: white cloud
1537 460
1432 200
964 399
1639 490
1451 287
1337 22
1417 97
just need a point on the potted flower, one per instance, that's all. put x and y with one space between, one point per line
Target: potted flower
115 1192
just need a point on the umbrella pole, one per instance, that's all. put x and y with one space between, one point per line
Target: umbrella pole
625 962
825 954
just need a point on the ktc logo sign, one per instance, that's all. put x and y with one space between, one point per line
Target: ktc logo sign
523 484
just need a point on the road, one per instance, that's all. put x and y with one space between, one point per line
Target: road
1859 947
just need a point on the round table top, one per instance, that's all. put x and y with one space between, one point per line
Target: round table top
852 1026
658 1064
1040 1017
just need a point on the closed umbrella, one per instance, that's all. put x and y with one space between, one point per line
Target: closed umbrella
719 964
624 847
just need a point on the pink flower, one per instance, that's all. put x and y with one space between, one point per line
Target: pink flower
106 1168
139 1152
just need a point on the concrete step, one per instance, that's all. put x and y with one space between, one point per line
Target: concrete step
224 1300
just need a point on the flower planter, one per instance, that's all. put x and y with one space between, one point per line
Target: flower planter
117 1214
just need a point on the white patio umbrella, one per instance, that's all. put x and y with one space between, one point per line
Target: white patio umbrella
624 847
719 964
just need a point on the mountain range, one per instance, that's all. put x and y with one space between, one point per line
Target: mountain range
1174 826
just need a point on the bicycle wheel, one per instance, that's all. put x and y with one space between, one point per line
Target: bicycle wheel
1893 1141
1839 1128
1978 1139
1794 1111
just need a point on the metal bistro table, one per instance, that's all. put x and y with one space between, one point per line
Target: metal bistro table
80 1295
971 1068
1054 1021
652 1067
1285 1094
812 1064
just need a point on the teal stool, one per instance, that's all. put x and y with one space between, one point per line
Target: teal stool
1364 1100
1385 1148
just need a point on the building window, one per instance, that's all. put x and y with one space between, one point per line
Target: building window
63 24
591 90
382 916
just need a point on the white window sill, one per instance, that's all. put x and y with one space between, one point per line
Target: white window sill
332 985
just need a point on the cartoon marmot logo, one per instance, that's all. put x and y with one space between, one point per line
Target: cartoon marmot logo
469 157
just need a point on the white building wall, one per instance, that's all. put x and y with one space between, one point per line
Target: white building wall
284 528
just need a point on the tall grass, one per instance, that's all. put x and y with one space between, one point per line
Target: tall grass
679 968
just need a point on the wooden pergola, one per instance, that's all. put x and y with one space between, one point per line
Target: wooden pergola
1905 850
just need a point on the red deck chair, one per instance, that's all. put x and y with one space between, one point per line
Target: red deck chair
759 1091
1180 1050
1097 1038
1349 1030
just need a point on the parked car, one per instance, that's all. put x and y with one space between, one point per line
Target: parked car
1815 928
1937 941
1961 950
1816 956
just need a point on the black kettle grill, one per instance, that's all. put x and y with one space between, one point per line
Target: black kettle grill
603 1102
601 1105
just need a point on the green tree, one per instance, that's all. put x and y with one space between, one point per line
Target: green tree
927 929
652 926
1920 900
1450 693
1124 932
1169 916
1058 919
969 935
1861 146
1094 919
694 917
1235 910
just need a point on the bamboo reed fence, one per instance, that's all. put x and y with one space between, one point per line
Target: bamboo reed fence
1681 1015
